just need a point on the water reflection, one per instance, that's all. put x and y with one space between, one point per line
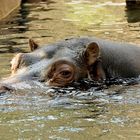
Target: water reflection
133 14
86 14
9 27
37 1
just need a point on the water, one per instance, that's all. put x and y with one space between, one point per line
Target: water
69 113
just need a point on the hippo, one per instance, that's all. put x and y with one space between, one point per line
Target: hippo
70 60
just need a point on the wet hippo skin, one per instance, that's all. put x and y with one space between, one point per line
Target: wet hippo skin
73 59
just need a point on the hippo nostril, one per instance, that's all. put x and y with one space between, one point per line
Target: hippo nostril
41 80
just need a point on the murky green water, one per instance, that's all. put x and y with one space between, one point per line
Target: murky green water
69 114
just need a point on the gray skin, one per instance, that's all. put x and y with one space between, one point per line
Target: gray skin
118 59
92 58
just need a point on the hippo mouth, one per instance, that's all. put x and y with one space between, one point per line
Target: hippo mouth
61 73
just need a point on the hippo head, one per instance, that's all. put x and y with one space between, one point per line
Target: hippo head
58 65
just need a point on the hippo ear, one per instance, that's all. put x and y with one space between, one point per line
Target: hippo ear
15 63
33 45
92 52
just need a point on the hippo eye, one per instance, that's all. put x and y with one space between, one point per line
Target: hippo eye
65 73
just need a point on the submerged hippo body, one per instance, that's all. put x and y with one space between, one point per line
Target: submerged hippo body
62 63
